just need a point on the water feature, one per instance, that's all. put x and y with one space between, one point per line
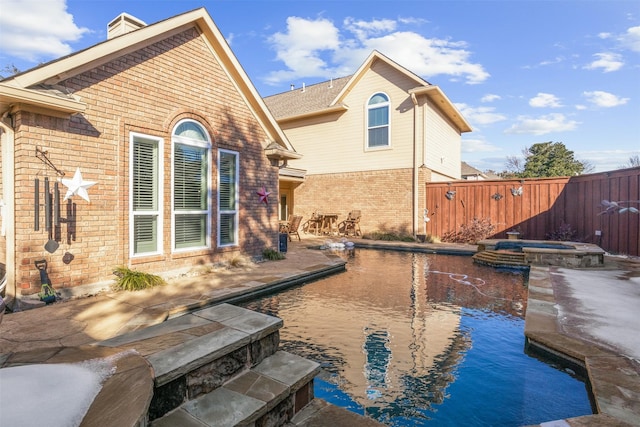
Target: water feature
423 340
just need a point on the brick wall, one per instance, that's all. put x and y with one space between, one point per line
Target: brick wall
147 91
385 198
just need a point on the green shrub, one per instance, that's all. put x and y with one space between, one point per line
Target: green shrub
133 280
272 254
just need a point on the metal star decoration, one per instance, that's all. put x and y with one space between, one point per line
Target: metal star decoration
77 186
263 193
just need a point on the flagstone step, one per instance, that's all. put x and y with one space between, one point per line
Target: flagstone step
498 258
196 353
271 393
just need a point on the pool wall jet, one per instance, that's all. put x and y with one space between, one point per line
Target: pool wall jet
525 253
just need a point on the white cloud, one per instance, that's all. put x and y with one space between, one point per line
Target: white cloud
542 125
300 48
631 39
545 100
490 97
556 60
476 145
606 61
365 29
606 160
317 48
604 99
36 30
479 115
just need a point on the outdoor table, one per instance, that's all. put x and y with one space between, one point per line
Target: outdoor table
329 223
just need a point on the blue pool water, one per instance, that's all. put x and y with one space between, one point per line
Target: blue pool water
424 340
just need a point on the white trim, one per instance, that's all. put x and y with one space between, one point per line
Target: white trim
367 107
237 209
160 248
198 144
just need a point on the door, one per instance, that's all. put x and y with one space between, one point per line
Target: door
284 204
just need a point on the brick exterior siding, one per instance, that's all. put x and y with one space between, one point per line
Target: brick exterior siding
146 91
384 198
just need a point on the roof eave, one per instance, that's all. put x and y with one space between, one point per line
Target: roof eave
328 110
279 153
435 94
10 95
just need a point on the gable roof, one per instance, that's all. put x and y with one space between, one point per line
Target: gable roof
317 99
468 170
37 87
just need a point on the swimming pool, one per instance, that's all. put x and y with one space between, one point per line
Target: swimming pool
414 339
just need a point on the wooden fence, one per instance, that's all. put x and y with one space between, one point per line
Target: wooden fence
537 207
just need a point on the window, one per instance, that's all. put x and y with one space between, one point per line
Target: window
228 198
191 207
145 195
378 121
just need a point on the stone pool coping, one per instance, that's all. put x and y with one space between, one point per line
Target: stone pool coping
123 398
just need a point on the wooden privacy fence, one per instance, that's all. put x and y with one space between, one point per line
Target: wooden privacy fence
537 207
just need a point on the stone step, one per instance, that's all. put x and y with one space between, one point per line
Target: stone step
196 353
501 258
271 393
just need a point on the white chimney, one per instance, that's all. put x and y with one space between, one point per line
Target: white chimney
123 24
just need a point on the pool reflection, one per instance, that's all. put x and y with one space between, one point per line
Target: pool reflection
388 331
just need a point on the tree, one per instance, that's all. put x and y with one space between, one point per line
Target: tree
549 159
634 162
8 70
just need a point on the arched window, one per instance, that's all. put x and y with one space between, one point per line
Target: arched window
190 186
378 121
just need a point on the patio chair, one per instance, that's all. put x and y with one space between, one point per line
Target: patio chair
351 225
314 224
292 226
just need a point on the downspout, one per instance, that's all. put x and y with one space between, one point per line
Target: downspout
414 214
7 140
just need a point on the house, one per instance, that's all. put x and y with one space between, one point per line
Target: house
151 149
370 142
470 173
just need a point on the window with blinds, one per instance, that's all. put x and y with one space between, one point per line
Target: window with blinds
378 121
145 195
190 186
227 198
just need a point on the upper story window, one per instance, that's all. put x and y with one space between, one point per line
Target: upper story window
378 121
191 196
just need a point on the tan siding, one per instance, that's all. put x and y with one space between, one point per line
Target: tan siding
341 147
442 144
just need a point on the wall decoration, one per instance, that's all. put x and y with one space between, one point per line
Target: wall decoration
264 194
516 191
77 186
497 196
450 194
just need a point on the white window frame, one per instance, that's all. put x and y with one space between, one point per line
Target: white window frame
235 211
369 107
133 137
176 139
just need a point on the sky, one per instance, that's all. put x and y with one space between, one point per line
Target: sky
520 72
